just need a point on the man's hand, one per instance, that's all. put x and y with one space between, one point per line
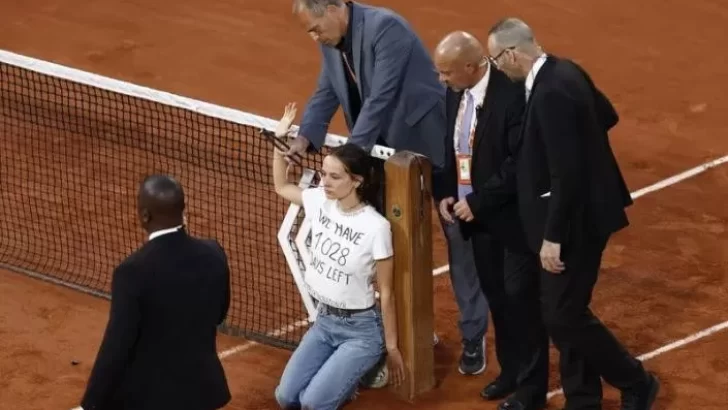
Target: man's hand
286 121
445 210
299 145
551 257
462 211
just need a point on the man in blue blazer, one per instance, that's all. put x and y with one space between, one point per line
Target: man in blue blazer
378 70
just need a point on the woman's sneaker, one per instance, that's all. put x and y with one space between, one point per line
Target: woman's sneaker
376 378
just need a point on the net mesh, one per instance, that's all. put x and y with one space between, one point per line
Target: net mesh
70 163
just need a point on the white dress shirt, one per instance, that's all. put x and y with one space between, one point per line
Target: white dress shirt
161 232
531 77
478 93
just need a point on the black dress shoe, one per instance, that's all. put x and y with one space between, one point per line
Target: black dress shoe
514 403
642 396
511 405
497 389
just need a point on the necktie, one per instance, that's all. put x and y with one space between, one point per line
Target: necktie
464 137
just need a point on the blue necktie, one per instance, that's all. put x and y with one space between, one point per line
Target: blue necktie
464 138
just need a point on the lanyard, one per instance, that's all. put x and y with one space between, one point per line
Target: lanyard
348 67
471 136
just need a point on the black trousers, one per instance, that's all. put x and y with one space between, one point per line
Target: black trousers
510 280
588 350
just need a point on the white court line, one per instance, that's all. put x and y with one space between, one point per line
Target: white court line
679 177
646 190
247 345
664 349
443 269
440 270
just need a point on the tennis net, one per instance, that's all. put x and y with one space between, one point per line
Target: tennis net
76 145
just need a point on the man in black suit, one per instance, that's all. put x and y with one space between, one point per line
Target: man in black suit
167 298
476 190
572 198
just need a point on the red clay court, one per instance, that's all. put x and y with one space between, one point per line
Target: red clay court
664 281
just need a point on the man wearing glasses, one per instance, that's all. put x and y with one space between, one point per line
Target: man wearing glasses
476 193
572 198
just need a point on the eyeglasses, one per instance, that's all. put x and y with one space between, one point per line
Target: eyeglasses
494 60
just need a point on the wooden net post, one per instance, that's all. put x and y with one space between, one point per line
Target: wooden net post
408 204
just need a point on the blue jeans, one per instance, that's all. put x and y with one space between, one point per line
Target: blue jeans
325 369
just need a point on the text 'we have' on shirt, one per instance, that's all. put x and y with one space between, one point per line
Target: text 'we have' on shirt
344 248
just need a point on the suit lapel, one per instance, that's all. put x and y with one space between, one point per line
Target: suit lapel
544 72
546 68
486 108
357 19
453 103
340 80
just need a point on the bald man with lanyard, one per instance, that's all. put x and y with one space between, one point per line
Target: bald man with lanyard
476 191
167 298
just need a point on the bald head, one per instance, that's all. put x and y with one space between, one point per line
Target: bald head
460 61
461 47
161 202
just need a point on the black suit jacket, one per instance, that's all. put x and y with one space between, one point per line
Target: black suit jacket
159 348
569 183
493 200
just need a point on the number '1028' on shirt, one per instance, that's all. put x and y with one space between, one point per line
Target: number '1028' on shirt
344 248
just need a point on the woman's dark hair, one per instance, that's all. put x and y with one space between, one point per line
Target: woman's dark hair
358 162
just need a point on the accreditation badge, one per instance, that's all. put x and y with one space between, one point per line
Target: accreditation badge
463 169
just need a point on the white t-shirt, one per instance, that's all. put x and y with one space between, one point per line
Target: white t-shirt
344 248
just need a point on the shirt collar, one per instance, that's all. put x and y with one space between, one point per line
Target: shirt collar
346 41
531 77
161 232
478 90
